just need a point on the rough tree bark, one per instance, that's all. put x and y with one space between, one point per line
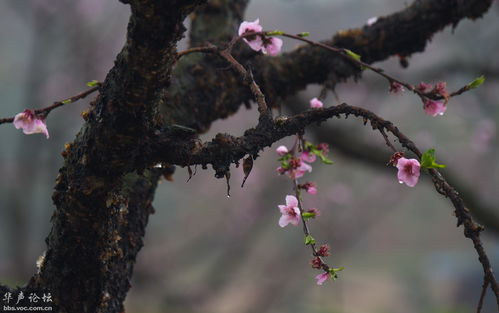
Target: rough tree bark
151 109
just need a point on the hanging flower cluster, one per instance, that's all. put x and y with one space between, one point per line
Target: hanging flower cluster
259 42
295 163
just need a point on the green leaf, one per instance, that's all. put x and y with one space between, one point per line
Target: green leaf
66 101
304 34
309 240
352 54
428 160
308 215
477 82
335 270
92 83
275 33
324 159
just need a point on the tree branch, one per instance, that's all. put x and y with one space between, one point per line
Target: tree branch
45 111
342 140
200 85
226 149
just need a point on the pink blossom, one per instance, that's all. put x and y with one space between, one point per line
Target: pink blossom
308 157
271 46
441 89
312 190
316 103
321 278
424 87
290 212
281 150
310 187
324 147
396 88
408 171
255 42
280 170
30 123
434 108
316 263
300 170
323 250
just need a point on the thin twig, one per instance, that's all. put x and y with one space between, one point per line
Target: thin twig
482 294
306 229
45 111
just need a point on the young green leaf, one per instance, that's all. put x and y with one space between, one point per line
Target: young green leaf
308 215
66 101
477 82
304 34
352 54
275 33
92 83
309 240
324 159
428 160
333 271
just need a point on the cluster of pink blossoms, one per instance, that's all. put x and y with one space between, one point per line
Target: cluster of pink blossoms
30 123
291 212
433 107
259 42
430 107
296 167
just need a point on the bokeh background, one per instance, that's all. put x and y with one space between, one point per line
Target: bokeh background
205 252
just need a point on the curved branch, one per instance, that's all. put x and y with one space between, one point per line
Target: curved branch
376 157
200 84
226 149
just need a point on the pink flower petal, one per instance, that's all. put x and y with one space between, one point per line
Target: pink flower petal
304 167
255 42
281 150
272 46
396 88
247 27
321 278
294 220
30 123
285 220
291 201
308 157
316 103
434 108
408 171
424 87
441 89
312 190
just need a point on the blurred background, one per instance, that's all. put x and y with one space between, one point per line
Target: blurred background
205 252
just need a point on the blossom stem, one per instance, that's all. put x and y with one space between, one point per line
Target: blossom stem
45 111
306 229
